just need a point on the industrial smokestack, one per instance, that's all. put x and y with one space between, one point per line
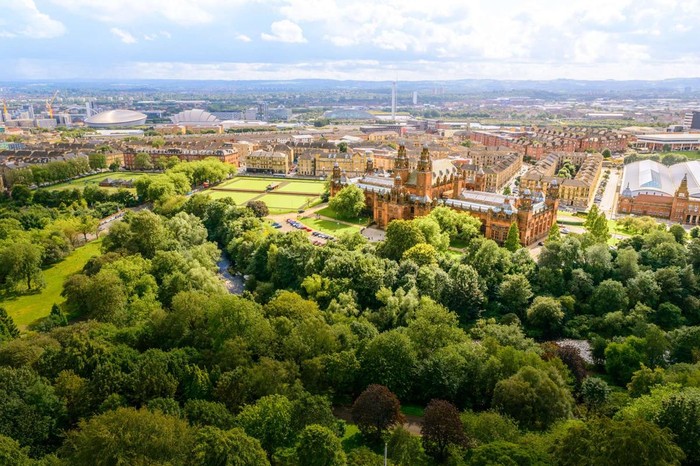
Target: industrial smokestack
393 101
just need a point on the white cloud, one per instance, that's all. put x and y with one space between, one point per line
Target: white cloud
182 12
243 38
124 36
285 31
156 35
23 18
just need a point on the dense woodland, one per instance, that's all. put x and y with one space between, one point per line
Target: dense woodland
160 365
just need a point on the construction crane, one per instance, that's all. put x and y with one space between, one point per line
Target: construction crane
49 103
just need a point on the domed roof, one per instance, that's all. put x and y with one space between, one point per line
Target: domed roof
119 117
194 117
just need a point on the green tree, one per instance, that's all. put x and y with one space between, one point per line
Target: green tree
545 315
606 153
678 233
512 242
142 161
259 208
599 230
97 161
232 447
401 235
421 254
441 429
681 414
604 441
515 293
623 359
30 411
128 436
554 233
390 359
404 448
8 329
12 454
609 296
376 410
21 263
595 392
535 398
592 216
21 194
349 202
318 446
87 224
343 147
269 421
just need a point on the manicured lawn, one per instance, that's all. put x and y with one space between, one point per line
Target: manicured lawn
328 226
569 219
286 201
95 179
328 212
301 187
253 184
25 309
238 198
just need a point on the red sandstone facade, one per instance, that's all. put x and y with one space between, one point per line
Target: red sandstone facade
680 208
413 193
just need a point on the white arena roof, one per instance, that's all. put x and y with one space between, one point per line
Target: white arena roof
112 118
650 177
194 117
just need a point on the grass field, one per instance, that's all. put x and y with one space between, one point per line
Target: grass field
95 179
25 309
328 226
285 201
302 187
238 198
328 212
253 184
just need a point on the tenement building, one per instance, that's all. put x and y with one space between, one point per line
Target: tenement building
673 193
268 162
576 192
315 162
409 193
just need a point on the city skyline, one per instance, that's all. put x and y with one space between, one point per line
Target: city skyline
301 39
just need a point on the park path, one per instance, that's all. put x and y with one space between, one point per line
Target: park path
413 424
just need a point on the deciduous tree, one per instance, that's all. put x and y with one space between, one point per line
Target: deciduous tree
376 410
441 428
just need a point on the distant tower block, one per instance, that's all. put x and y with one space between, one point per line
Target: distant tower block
415 97
393 101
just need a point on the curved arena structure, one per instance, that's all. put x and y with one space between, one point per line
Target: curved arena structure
116 118
194 117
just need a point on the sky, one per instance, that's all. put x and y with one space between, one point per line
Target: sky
349 39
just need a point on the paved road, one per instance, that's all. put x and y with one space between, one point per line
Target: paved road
607 203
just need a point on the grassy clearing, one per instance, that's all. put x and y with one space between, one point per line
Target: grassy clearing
238 198
252 184
25 309
352 438
286 201
328 212
329 227
569 219
412 410
95 179
302 187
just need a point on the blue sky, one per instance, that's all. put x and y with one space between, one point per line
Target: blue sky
349 39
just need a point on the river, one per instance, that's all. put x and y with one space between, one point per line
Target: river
234 283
